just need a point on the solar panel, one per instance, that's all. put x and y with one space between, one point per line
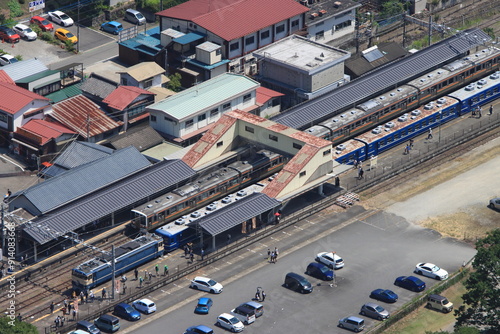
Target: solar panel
373 55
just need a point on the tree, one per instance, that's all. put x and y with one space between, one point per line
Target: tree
392 8
9 326
459 330
482 299
175 82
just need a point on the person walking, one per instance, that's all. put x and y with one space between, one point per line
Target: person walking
74 314
202 253
62 319
429 134
124 288
51 307
19 317
86 296
136 274
69 308
268 254
186 251
140 281
276 253
491 110
263 295
165 270
91 296
407 150
104 293
191 257
150 276
157 268
56 321
411 143
479 112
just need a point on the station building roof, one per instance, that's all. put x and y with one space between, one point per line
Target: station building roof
133 189
379 80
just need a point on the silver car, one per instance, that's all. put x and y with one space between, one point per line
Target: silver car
374 311
495 203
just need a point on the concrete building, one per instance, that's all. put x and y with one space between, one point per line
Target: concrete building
300 68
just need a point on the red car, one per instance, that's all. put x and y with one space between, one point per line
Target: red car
8 35
42 23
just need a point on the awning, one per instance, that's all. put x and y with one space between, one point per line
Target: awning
24 144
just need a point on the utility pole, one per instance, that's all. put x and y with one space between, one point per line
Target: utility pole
404 29
78 28
88 127
430 30
113 272
2 228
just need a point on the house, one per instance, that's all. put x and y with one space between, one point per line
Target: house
300 68
84 117
268 102
144 75
239 27
40 138
142 137
20 106
97 87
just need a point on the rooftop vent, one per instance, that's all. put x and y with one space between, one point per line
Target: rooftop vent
314 15
390 125
416 112
482 82
377 130
428 106
441 100
403 118
469 88
322 12
337 4
340 147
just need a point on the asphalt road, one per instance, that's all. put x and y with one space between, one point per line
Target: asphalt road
375 249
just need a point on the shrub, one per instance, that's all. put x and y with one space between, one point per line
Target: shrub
15 8
47 36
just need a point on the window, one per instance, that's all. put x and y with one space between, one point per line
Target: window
219 144
280 28
295 23
303 173
189 123
264 35
218 52
249 129
250 40
297 146
226 106
202 117
273 137
234 46
327 152
153 118
214 112
124 81
247 97
148 83
320 34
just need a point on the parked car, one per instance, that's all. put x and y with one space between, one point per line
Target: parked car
134 17
298 283
353 323
145 305
112 27
88 327
257 307
78 331
200 329
331 259
25 32
7 59
319 270
65 35
60 18
9 35
107 323
206 284
203 306
494 203
126 312
245 314
410 282
387 296
439 303
431 270
42 23
230 322
374 311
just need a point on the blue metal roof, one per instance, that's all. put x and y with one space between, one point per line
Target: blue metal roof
189 38
118 196
388 76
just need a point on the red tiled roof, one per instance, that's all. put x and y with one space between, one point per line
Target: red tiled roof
234 19
14 98
4 77
122 96
44 130
75 113
265 94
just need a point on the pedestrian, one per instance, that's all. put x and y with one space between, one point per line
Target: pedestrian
19 317
202 252
56 321
473 111
136 273
361 173
191 257
276 253
165 270
355 163
263 294
140 281
257 296
186 251
429 134
150 276
82 297
273 256
65 303
228 238
86 296
124 288
52 306
146 274
479 111
74 314
69 308
411 143
104 293
157 268
268 254
63 319
491 110
91 296
407 150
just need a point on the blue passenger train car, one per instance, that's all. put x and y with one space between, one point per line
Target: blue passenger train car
175 235
127 256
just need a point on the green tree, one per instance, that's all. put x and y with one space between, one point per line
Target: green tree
482 299
9 326
392 8
175 82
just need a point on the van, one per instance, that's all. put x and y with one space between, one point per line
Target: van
439 303
107 323
134 17
87 326
353 323
298 283
245 314
257 307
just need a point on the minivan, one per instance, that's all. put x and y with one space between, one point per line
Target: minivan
353 323
107 323
87 326
126 312
134 17
245 314
299 283
257 307
439 303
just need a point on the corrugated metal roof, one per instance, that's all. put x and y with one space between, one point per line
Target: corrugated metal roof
194 8
75 112
4 77
85 179
189 38
122 194
141 137
390 75
36 76
98 86
205 95
143 71
17 99
25 68
262 95
122 96
238 212
65 93
44 130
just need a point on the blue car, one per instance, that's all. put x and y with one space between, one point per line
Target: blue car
126 312
200 329
320 271
203 306
112 27
410 282
387 296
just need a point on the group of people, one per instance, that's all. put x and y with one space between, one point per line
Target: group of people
188 252
477 112
59 321
260 295
409 147
272 255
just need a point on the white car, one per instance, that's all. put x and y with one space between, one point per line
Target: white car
61 18
230 322
206 284
144 305
431 270
25 32
330 259
7 59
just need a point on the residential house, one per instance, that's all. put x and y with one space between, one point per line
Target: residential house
96 87
144 75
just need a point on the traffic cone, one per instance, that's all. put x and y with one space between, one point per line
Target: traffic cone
12 44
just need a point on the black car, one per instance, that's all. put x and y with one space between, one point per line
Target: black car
298 283
319 270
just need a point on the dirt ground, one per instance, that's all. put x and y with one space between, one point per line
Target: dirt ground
453 199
